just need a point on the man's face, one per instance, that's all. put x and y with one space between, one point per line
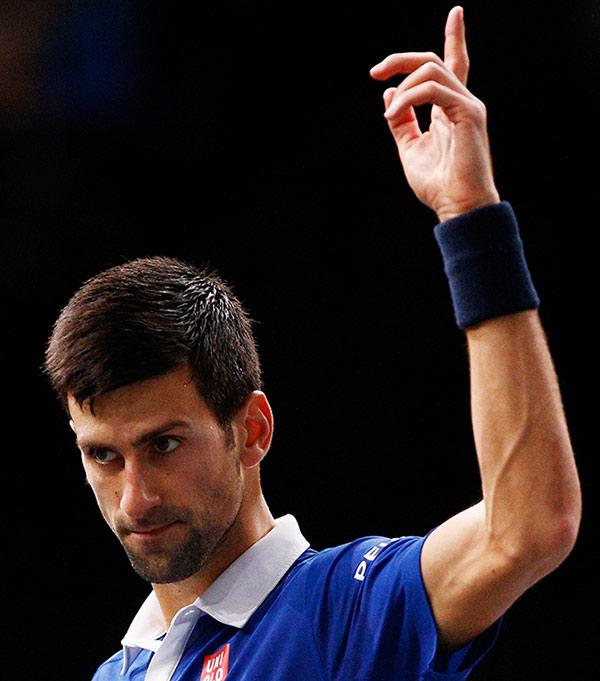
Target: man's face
166 479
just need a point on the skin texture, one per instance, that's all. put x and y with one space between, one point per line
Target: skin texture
476 564
182 501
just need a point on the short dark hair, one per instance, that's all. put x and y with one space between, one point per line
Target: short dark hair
147 317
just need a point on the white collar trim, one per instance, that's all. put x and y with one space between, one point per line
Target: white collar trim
236 593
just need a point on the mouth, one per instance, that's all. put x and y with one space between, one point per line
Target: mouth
153 531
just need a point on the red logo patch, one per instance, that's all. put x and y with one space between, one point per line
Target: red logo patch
216 666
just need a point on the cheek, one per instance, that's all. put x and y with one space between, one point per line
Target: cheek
216 486
208 463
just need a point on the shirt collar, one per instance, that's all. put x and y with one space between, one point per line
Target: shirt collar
236 593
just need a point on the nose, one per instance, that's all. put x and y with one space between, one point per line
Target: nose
140 493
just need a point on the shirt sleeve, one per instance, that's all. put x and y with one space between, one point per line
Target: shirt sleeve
372 616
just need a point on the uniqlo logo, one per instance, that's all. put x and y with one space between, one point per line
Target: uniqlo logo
216 666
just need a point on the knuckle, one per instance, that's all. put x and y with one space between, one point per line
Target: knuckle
479 110
433 57
430 87
432 69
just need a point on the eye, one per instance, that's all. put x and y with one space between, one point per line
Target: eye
165 444
102 456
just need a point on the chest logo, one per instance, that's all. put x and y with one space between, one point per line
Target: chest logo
216 666
370 555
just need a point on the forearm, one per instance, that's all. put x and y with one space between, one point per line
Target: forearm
530 487
478 562
530 484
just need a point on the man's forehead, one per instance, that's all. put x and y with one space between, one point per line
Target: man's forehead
141 405
151 393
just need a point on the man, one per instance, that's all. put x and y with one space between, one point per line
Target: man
156 364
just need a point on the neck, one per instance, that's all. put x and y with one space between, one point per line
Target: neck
249 527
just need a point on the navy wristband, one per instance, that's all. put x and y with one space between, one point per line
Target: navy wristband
485 264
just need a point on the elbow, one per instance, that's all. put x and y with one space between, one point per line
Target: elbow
540 538
547 526
560 528
546 547
562 538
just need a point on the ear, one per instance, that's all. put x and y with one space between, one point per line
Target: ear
255 420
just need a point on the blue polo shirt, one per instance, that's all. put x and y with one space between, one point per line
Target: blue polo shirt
285 612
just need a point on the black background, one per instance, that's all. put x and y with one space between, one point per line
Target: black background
251 137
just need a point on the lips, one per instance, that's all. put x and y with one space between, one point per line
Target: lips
150 531
153 531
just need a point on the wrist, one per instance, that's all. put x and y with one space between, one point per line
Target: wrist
485 264
451 209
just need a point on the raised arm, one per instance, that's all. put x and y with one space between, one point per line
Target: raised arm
476 564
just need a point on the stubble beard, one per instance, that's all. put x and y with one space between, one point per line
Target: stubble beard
175 563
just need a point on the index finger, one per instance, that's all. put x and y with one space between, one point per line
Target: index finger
402 62
456 56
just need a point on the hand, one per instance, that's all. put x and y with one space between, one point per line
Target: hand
449 167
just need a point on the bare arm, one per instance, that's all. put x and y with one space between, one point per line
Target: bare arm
476 564
479 562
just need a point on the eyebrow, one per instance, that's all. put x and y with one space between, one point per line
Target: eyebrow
140 441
